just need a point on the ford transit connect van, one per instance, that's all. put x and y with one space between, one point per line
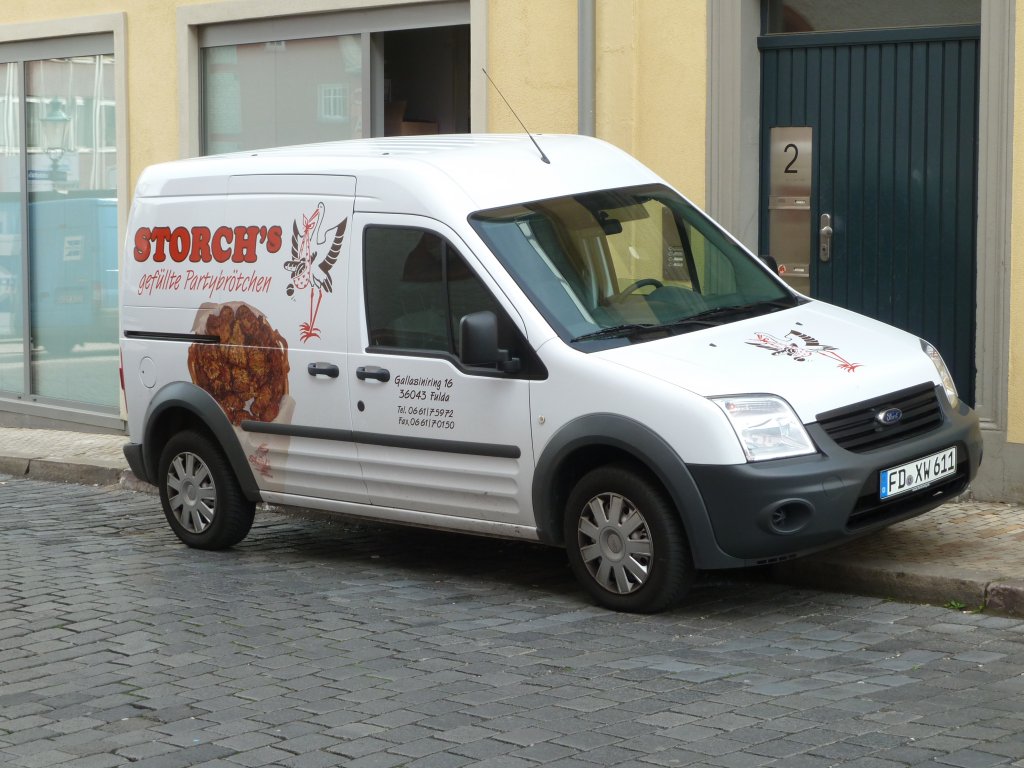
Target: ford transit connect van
452 332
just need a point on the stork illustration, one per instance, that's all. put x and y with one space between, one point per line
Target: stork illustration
800 353
302 263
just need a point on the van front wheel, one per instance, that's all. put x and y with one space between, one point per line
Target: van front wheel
200 494
625 541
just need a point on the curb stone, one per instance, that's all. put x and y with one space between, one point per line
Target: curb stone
129 482
13 465
57 471
921 585
1006 598
932 586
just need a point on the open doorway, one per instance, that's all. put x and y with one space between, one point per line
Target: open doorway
426 80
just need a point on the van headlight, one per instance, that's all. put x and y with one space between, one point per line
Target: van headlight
766 426
944 375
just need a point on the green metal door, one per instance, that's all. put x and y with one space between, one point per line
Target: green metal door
894 122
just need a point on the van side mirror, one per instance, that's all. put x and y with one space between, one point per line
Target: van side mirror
478 343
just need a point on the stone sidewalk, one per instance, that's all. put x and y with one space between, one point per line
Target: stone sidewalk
967 554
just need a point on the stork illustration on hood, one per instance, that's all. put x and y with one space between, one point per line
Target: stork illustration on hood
306 271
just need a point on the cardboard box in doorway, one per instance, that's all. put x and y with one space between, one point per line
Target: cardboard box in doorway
395 123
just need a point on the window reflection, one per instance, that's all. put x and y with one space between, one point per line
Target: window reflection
284 92
72 228
12 369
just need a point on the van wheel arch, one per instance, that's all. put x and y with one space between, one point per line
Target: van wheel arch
569 471
181 407
605 439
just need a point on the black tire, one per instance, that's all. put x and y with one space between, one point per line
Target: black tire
200 494
625 541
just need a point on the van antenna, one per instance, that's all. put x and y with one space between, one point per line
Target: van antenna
525 130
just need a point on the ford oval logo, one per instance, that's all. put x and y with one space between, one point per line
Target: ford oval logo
889 416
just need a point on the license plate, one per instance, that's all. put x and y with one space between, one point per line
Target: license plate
917 474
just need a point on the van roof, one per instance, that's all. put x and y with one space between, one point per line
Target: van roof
418 174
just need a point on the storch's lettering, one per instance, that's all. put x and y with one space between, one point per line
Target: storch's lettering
199 245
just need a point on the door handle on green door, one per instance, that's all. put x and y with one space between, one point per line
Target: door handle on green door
825 238
365 372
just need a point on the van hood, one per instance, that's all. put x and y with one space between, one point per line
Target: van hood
816 356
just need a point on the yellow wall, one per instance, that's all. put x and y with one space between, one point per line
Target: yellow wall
664 103
1015 418
152 67
531 56
651 77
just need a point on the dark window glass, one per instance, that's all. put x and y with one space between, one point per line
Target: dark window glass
785 16
418 288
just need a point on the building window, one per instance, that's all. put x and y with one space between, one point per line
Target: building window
271 94
58 225
333 102
787 16
338 75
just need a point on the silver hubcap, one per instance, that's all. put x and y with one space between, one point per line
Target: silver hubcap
191 492
615 543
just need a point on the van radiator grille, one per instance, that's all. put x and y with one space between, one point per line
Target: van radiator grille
856 428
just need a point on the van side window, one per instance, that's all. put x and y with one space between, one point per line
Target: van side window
418 288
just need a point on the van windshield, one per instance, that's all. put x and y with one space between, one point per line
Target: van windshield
628 265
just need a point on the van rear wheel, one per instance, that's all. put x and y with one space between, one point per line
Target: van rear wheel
201 496
625 541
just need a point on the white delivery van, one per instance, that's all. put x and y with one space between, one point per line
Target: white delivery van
456 332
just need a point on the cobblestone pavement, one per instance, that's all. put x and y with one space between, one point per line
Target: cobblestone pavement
321 644
966 551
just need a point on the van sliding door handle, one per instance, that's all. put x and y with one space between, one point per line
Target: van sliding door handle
323 369
365 372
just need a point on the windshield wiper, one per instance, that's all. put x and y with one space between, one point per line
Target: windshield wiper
717 315
616 331
707 318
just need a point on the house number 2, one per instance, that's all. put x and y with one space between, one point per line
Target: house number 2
796 154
